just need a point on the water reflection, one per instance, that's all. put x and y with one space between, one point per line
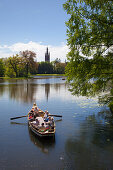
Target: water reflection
94 142
29 90
41 143
83 139
2 88
104 128
16 123
47 90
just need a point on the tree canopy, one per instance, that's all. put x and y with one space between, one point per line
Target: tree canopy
21 64
28 60
45 68
2 68
90 39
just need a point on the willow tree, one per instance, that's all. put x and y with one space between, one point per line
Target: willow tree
90 40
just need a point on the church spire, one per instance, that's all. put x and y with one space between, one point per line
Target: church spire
47 56
47 50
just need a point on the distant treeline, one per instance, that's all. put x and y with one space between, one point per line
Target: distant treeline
25 64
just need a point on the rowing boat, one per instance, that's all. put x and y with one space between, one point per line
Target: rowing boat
39 124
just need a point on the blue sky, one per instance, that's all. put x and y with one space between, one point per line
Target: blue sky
25 23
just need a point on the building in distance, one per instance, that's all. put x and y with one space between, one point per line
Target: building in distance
47 56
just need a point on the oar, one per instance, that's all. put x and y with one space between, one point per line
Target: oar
17 117
56 115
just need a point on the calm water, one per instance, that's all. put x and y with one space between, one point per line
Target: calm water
83 139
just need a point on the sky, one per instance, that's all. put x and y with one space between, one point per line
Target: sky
33 25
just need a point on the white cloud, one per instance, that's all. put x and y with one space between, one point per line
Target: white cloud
38 48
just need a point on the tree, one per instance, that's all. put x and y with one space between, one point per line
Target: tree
2 68
28 59
45 68
90 39
14 63
59 68
57 60
21 65
13 66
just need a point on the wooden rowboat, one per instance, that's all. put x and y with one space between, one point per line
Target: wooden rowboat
39 125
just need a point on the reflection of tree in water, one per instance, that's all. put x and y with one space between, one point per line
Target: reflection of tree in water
47 90
58 86
55 86
1 90
26 90
2 87
104 129
22 92
43 144
93 149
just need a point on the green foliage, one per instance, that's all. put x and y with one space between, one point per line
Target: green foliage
13 64
28 60
21 65
10 72
2 68
45 68
59 68
111 105
90 39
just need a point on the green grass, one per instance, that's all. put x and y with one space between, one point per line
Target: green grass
49 75
31 76
14 77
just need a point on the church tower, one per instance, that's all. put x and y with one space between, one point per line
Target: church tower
47 56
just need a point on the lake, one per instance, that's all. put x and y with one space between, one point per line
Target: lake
84 135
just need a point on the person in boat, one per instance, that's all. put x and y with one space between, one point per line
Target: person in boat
42 124
36 109
36 112
51 122
34 105
37 122
32 110
46 116
30 116
31 113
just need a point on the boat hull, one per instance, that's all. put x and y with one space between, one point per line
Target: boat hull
39 129
41 134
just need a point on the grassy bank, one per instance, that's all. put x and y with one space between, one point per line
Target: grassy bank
33 76
48 75
15 78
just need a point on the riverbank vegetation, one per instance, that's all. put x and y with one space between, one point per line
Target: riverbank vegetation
90 39
24 64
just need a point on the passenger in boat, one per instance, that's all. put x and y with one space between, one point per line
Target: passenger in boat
36 112
32 110
36 108
34 105
51 122
37 122
30 116
46 116
42 124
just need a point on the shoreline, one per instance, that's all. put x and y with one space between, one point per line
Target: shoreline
32 76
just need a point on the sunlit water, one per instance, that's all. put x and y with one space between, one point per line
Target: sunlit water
83 139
